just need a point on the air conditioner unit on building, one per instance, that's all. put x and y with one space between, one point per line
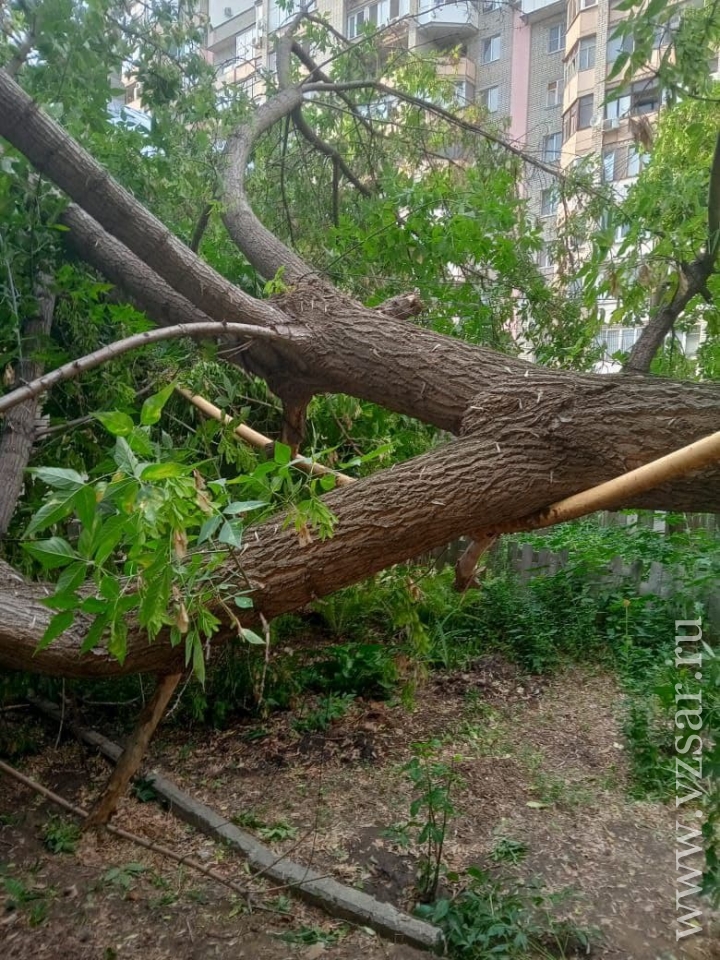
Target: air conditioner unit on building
612 124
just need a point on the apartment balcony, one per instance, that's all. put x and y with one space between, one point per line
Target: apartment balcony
437 20
461 70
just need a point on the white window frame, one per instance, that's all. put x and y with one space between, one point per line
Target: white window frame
491 48
556 152
587 53
490 98
548 202
554 99
556 44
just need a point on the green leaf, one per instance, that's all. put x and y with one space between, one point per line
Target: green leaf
117 643
71 577
109 588
109 536
245 603
198 661
153 406
124 457
208 528
58 478
52 553
51 512
94 634
59 624
163 471
116 422
231 534
243 506
282 454
86 505
252 637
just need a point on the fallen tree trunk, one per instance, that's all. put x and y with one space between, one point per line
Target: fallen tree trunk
469 484
529 436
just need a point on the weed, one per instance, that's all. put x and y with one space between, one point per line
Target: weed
312 935
123 877
507 850
398 834
248 820
276 832
505 919
333 708
144 790
61 835
430 809
33 900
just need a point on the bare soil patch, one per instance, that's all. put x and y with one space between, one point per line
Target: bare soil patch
555 745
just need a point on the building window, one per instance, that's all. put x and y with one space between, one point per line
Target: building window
586 4
586 53
645 97
578 117
618 45
548 202
464 93
544 259
490 5
491 49
609 158
377 14
490 99
554 93
617 108
585 112
245 44
636 160
556 38
552 145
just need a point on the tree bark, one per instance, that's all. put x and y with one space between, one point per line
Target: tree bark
18 435
540 451
528 436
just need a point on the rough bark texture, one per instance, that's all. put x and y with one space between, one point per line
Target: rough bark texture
18 433
528 436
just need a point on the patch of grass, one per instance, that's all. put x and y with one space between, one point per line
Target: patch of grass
248 820
507 850
31 900
124 876
277 832
61 835
334 707
497 918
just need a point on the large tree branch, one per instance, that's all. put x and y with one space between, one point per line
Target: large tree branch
472 483
262 248
694 277
54 153
209 329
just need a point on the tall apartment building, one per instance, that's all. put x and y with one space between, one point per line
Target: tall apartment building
540 67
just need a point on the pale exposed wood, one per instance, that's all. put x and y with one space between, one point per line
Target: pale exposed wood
132 755
695 456
259 440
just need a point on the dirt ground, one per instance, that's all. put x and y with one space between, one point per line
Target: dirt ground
541 763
